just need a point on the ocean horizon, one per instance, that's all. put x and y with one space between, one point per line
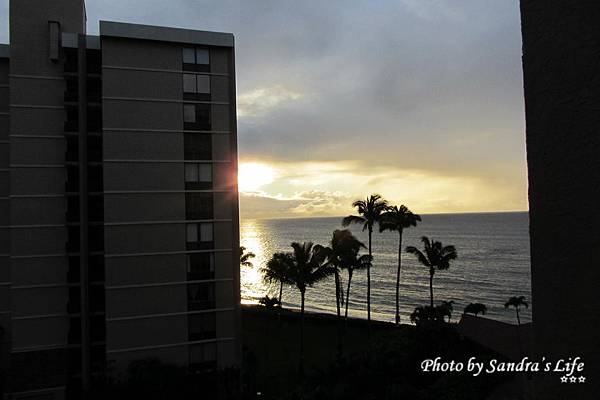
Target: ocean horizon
493 264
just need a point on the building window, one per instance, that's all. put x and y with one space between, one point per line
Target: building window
198 176
201 296
189 83
197 146
189 55
202 56
196 87
202 326
196 59
199 206
198 172
199 236
192 233
201 266
196 83
197 117
202 84
189 113
206 232
197 55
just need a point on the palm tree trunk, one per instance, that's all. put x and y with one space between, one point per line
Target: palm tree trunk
280 293
337 293
398 276
302 333
369 279
431 285
348 295
339 314
519 333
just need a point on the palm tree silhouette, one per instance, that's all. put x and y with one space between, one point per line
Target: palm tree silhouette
277 271
369 213
351 263
422 314
342 243
446 308
435 256
269 302
245 257
475 308
517 302
307 266
397 219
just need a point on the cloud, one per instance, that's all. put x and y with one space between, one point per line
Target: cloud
408 96
261 101
298 204
328 188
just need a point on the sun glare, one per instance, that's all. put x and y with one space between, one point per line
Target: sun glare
253 176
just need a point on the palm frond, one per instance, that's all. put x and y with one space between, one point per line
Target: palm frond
353 220
422 258
397 218
516 302
245 257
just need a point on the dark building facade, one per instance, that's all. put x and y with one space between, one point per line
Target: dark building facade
561 49
119 207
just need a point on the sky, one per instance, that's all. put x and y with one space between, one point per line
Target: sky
420 101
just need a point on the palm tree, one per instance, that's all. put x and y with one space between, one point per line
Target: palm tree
245 257
307 266
351 263
446 308
397 219
369 213
423 314
475 308
429 316
342 244
517 302
269 302
277 271
436 257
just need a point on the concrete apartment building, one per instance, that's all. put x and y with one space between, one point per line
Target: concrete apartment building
119 229
561 48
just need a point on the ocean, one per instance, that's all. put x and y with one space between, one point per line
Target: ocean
492 265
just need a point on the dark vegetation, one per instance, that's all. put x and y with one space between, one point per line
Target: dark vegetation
387 367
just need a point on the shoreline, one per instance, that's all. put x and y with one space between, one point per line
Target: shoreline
317 315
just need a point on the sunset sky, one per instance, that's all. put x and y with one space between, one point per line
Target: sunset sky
418 100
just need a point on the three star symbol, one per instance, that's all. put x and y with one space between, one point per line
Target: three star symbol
572 379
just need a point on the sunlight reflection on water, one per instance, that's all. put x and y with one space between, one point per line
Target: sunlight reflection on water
252 238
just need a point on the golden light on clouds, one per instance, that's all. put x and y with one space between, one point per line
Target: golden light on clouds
252 176
299 189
